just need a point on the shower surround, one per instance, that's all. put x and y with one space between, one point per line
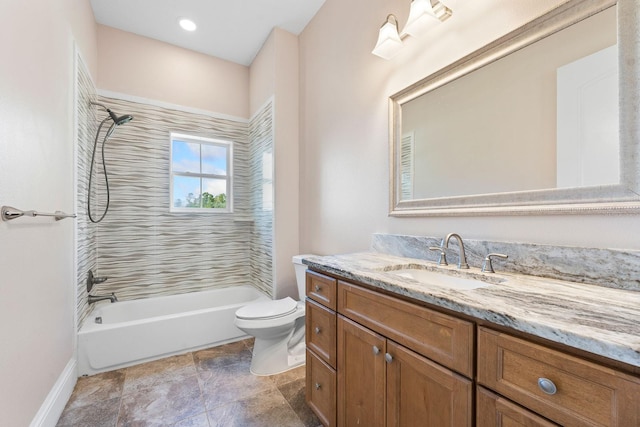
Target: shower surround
144 249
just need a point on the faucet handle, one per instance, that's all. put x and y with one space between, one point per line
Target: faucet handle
487 266
442 260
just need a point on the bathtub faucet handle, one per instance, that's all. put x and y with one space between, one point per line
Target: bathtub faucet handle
93 280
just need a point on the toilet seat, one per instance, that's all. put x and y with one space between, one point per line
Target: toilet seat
268 309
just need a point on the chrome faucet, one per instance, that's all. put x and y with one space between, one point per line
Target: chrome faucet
463 258
96 298
487 266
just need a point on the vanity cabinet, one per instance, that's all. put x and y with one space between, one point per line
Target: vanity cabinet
377 360
396 363
558 386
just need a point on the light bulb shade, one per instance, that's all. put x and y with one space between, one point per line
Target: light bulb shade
389 42
423 15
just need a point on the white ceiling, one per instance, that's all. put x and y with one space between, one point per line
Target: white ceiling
234 30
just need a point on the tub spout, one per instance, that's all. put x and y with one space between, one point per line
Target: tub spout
96 298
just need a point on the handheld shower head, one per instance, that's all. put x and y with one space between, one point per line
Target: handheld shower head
117 120
120 120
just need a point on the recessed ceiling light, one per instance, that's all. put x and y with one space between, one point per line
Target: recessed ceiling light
187 24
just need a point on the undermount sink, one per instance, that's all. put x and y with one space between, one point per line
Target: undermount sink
439 279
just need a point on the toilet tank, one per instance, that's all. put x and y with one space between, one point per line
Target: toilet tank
300 274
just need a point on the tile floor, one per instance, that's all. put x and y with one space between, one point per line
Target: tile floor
206 388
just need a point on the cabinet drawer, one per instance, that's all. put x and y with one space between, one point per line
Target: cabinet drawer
493 410
442 338
321 389
321 288
321 331
586 393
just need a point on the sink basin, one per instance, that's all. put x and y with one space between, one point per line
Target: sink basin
438 279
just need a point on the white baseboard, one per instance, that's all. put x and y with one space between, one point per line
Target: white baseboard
54 404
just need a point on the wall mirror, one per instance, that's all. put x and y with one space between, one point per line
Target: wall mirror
543 120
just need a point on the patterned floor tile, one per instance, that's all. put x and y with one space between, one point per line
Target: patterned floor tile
162 404
206 388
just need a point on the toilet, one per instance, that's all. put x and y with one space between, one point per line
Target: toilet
278 327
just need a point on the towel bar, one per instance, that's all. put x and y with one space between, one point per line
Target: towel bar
9 213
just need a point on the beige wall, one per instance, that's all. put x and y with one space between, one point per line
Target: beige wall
344 140
146 68
274 73
37 299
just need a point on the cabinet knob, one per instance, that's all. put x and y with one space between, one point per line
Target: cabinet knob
376 350
318 288
388 358
317 386
317 330
547 386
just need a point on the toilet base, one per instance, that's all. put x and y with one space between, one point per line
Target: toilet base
274 357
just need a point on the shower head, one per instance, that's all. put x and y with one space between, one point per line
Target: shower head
120 120
117 120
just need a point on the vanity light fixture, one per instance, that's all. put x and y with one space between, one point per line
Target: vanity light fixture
389 41
187 24
422 16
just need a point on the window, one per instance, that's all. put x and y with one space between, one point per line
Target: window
200 174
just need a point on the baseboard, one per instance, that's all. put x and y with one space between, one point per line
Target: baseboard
54 404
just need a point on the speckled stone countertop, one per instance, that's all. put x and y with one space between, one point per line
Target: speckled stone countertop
596 319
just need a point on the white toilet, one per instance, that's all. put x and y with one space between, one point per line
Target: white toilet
278 327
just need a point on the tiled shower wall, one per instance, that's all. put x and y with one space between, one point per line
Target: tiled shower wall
144 249
261 164
86 236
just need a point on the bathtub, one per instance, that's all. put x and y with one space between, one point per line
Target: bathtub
126 333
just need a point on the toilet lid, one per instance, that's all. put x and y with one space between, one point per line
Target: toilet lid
267 309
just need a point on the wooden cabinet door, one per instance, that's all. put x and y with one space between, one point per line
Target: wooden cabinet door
422 393
493 410
361 376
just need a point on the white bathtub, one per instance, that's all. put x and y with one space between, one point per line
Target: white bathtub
133 332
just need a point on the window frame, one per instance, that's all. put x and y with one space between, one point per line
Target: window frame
228 177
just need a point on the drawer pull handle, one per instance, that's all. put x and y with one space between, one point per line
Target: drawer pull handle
317 330
388 358
547 386
317 386
318 288
376 350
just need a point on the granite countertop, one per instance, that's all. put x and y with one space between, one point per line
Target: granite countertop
597 319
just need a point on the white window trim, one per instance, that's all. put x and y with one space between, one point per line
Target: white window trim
228 177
